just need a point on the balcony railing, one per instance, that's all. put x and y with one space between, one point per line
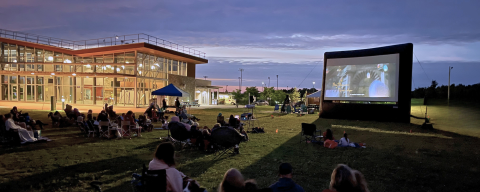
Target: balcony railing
101 42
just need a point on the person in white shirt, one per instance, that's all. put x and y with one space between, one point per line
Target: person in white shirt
344 141
25 135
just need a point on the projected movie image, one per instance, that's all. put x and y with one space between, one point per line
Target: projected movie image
368 82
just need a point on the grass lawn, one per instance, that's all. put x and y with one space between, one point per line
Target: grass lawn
394 160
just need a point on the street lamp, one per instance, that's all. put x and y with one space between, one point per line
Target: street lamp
449 69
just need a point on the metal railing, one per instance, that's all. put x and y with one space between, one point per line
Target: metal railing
100 42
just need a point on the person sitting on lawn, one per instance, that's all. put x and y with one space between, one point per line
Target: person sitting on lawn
217 125
344 141
24 134
328 135
344 179
32 123
232 122
128 117
163 159
232 182
285 183
102 116
176 119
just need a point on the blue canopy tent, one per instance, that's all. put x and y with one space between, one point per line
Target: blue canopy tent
171 90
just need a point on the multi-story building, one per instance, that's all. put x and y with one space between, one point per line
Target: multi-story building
120 70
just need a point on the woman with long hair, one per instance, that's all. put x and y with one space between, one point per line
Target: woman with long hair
232 181
164 158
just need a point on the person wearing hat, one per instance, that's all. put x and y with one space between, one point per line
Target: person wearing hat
285 183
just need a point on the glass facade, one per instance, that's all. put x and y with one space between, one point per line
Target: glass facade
123 79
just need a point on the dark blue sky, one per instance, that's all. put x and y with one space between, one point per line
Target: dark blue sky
273 37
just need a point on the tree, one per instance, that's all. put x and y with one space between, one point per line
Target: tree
253 91
277 97
295 95
240 97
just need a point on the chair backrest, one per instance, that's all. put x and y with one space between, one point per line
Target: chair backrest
276 107
308 129
125 123
104 123
225 136
178 131
154 180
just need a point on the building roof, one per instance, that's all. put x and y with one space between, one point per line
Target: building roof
316 94
141 42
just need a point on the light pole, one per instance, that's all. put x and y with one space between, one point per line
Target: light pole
241 78
239 86
277 82
449 69
268 81
314 84
205 77
263 88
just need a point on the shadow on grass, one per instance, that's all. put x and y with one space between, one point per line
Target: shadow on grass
79 176
387 168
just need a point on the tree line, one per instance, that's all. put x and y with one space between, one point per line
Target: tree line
272 95
457 92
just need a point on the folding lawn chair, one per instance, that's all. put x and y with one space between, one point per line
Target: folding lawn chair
103 124
225 139
276 107
309 132
90 129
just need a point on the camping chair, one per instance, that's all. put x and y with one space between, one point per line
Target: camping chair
276 107
128 125
289 109
309 132
151 180
90 129
103 133
179 134
225 139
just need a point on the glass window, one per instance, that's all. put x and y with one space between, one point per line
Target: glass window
108 58
13 53
130 54
21 80
87 68
39 80
78 59
39 55
30 54
88 60
58 57
59 80
119 58
30 67
175 67
13 79
30 80
129 69
88 81
21 55
98 59
39 67
67 58
48 56
58 68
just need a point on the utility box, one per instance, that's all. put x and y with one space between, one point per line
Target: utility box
53 105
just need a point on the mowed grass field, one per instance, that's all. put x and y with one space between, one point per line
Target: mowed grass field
394 160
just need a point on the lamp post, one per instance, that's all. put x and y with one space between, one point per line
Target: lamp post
277 82
263 87
449 69
239 86
268 81
241 78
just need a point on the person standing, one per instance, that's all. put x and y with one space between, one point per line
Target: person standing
285 183
164 104
177 104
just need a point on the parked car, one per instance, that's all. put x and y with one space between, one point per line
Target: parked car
260 102
298 104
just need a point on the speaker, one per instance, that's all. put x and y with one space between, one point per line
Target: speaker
251 99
